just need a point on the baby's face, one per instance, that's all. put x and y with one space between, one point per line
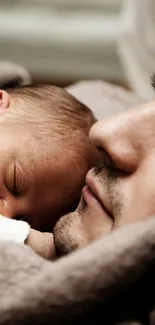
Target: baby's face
34 187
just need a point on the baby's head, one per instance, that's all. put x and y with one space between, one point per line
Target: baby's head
44 153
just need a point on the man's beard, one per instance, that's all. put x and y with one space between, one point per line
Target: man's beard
69 234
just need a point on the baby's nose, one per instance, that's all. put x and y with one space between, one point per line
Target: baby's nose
122 138
7 204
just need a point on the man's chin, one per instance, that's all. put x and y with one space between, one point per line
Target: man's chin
68 234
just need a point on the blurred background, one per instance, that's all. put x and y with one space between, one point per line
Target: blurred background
62 41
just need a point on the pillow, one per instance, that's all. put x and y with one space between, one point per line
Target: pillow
104 98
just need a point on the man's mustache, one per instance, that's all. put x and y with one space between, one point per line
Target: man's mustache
108 177
106 173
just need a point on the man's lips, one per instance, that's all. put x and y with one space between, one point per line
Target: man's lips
92 196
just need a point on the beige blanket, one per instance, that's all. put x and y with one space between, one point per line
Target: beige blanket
103 98
111 281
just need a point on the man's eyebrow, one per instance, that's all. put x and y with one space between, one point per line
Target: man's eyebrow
153 81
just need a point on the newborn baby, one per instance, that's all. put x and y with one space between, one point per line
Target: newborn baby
45 153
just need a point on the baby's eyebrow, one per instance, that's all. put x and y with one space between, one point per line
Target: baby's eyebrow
21 183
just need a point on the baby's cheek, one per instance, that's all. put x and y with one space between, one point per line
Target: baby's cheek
72 179
94 157
70 189
88 159
84 163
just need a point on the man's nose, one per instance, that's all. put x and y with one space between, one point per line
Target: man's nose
117 136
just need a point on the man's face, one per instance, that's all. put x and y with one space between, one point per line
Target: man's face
34 185
122 188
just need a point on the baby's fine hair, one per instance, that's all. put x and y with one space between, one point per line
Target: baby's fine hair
46 104
51 114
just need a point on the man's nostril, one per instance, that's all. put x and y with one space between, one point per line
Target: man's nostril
105 160
114 163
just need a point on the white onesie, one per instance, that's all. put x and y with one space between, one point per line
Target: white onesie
13 230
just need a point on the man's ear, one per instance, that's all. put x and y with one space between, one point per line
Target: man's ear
4 101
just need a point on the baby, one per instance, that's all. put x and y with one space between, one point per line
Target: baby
45 153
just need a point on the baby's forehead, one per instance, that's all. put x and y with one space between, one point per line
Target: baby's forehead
64 161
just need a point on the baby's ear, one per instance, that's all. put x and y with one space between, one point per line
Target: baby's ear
4 101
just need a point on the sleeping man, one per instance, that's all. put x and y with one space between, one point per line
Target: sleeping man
121 189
